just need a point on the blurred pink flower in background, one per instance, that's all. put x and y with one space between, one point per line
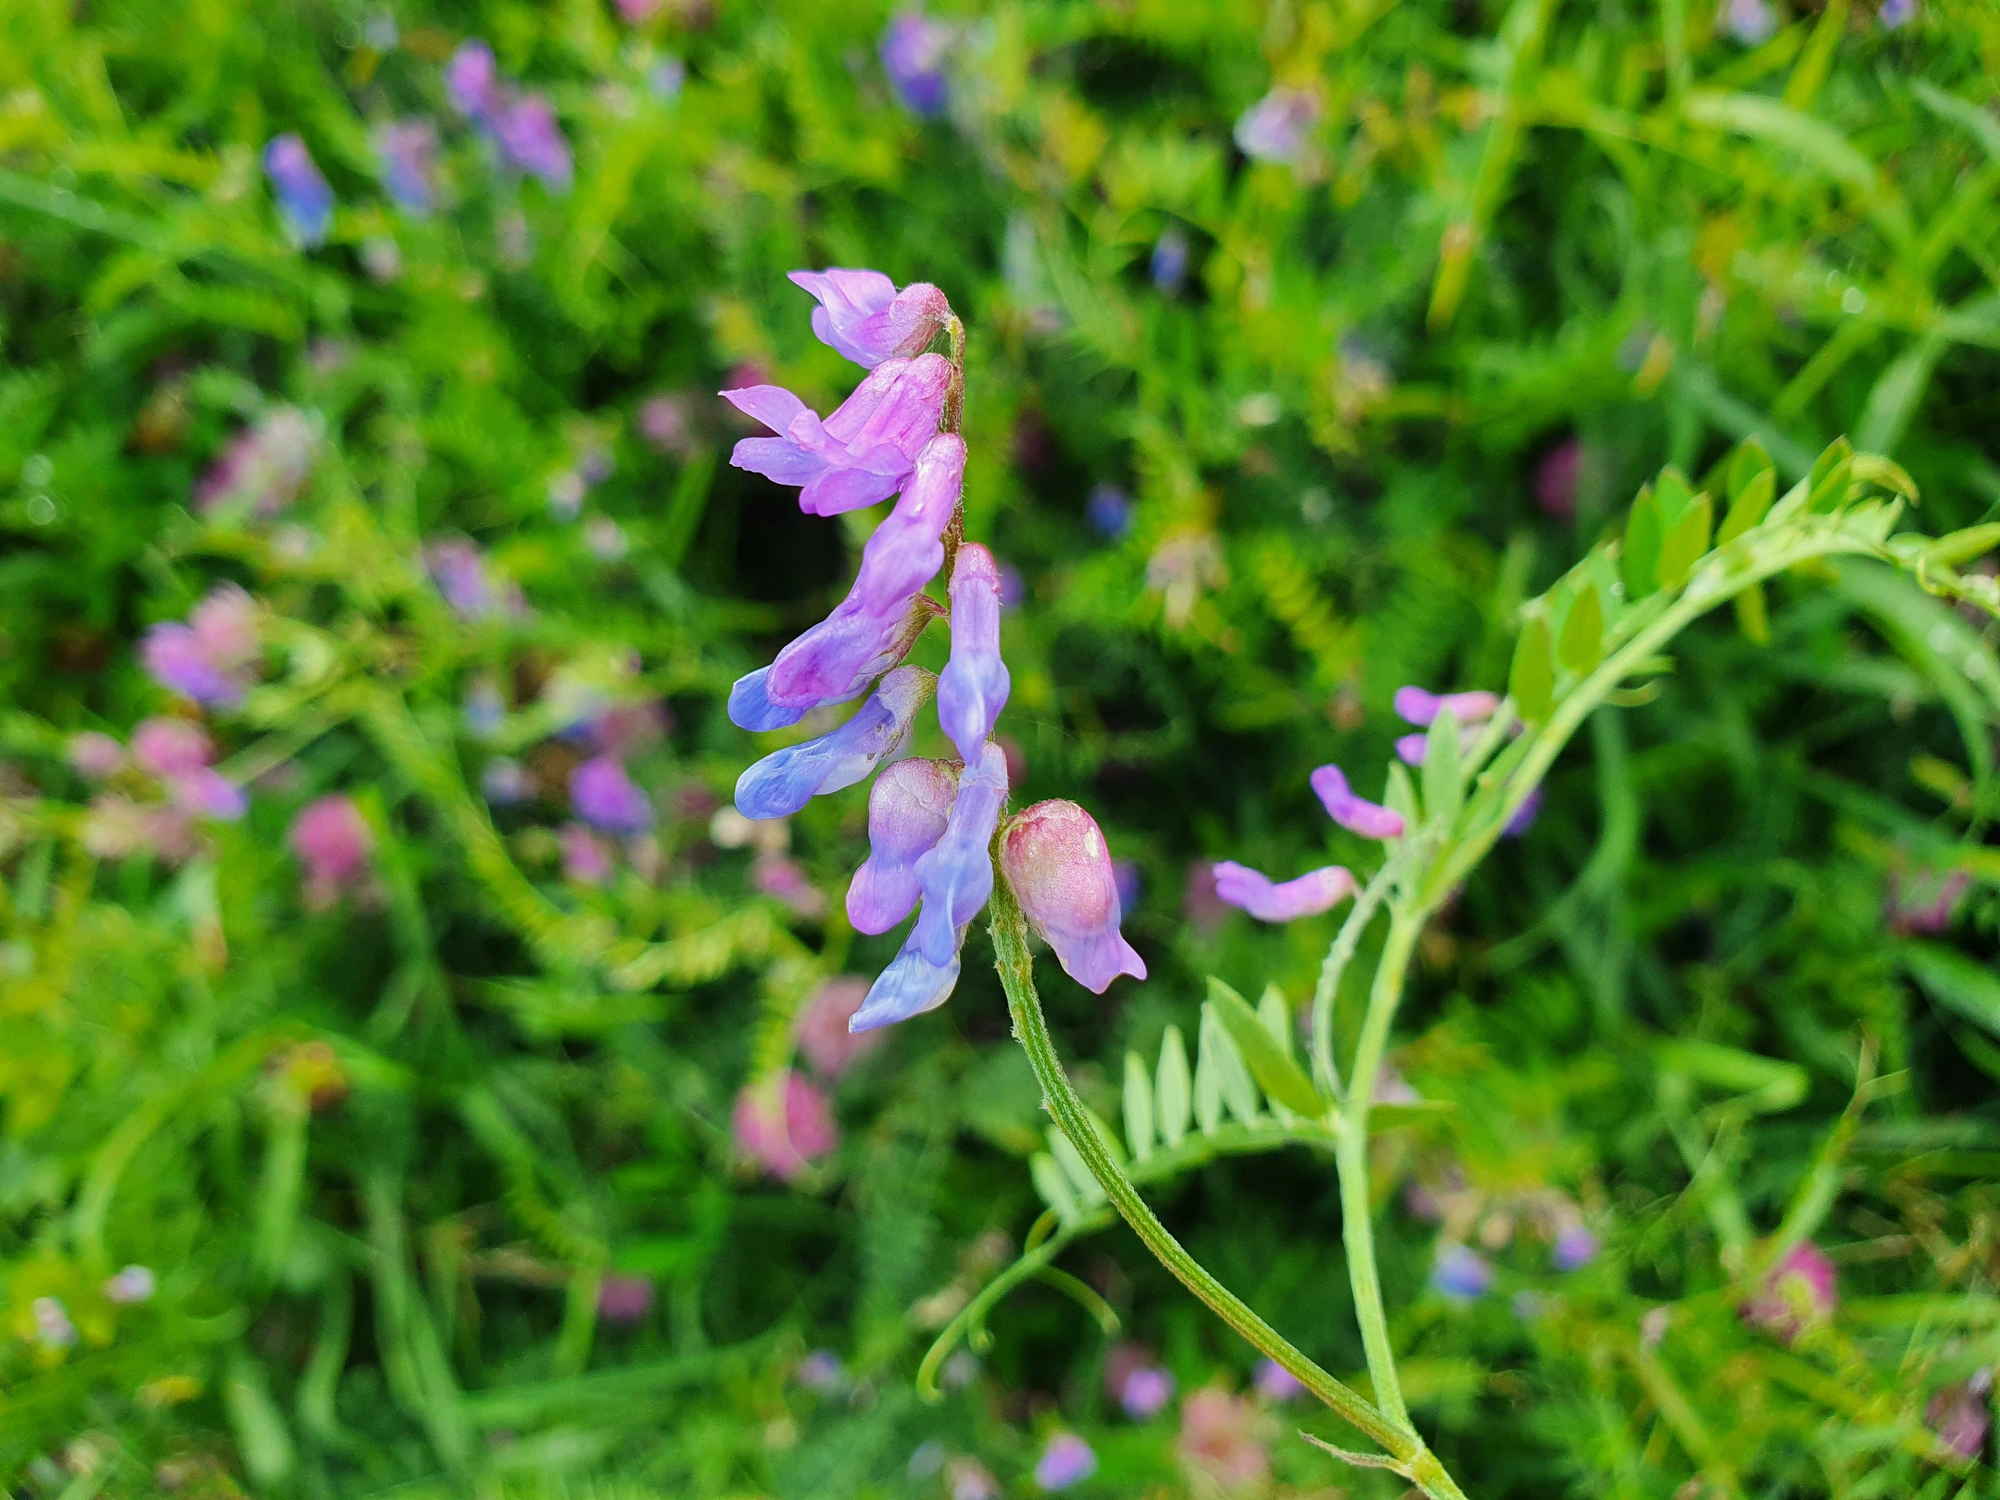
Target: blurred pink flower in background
265 465
584 857
1924 900
1962 1415
1275 1383
332 841
1224 1438
823 1035
783 1124
624 1299
1799 1292
1556 478
95 755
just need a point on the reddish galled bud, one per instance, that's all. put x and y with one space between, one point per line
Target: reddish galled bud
1054 857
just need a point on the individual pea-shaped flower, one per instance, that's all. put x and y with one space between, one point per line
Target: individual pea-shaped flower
1266 900
910 986
1460 1274
832 668
532 141
1054 858
865 317
907 549
860 454
786 780
1415 705
908 808
472 81
606 798
956 873
1358 815
973 687
304 199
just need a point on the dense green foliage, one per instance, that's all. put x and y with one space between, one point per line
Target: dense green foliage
381 1151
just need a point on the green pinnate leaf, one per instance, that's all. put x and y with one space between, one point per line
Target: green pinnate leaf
1267 1061
1639 557
1581 644
1531 680
1672 493
1745 465
1685 543
1748 506
1826 486
1138 1102
1173 1095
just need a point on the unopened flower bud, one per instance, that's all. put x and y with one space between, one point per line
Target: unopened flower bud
974 685
908 808
1054 857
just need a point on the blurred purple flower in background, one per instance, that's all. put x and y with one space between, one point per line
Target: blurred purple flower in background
1067 1460
820 1371
1275 1383
133 1285
1307 896
1557 477
95 755
1575 1248
1460 1274
304 199
531 140
1895 14
332 841
914 52
463 575
408 153
1224 1438
472 81
606 798
1748 21
1170 259
1108 510
265 465
625 1299
1275 127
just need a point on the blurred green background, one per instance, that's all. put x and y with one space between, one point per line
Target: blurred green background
1307 338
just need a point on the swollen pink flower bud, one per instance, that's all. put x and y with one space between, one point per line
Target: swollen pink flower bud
1369 819
860 454
1053 856
783 1124
907 810
1307 896
974 685
863 315
332 841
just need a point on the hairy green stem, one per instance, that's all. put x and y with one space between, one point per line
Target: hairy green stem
1357 1213
1337 959
1016 967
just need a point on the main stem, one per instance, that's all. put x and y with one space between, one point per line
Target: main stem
1012 958
1357 1211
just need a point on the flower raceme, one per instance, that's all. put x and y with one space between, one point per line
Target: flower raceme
932 823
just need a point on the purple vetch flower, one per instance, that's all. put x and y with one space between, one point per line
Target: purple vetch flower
532 141
1170 259
973 687
1054 858
910 986
408 153
1067 1460
832 663
1274 128
865 317
472 81
1275 1383
1146 1392
1460 1274
1415 705
173 657
304 199
1125 875
1306 896
860 454
1356 814
906 550
1924 900
332 842
786 780
1108 510
605 797
914 50
1575 1248
955 874
907 811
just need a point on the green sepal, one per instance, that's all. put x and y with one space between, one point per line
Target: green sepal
1685 542
1581 645
1269 1064
1748 506
1531 680
1639 557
